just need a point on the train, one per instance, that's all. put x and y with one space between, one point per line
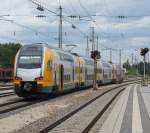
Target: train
41 70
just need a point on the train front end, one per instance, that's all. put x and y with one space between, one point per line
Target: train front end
29 72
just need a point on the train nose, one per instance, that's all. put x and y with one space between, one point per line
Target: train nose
28 74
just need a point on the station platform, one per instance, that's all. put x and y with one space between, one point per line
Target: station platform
131 113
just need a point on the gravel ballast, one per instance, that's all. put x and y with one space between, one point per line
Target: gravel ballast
34 119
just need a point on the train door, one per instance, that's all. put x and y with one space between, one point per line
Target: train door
86 76
73 74
56 75
61 77
79 71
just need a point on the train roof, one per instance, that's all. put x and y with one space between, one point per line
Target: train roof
55 48
47 45
44 45
73 54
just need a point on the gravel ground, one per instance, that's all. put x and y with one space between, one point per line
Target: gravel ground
58 108
8 99
101 121
39 116
5 91
78 122
6 83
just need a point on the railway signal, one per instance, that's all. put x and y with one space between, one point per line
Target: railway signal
143 53
95 54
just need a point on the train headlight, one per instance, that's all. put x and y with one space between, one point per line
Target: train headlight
39 78
18 78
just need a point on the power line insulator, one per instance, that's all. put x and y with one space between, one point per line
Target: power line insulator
73 26
40 16
40 8
72 16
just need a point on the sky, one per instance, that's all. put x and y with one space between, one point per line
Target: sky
20 24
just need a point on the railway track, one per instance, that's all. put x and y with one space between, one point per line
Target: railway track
12 93
21 104
4 89
13 106
6 94
9 87
74 118
99 115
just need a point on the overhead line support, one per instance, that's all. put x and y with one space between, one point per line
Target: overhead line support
60 27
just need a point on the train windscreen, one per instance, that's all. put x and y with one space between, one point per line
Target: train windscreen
30 57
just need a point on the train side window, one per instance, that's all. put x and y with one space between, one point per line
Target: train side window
49 65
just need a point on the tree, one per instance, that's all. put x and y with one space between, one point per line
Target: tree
127 65
7 54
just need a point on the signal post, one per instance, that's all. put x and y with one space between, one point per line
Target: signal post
144 51
95 55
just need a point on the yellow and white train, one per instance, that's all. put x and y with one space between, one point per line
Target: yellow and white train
41 70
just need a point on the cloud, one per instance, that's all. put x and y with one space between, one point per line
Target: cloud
113 32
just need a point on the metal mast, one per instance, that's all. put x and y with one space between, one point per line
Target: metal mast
87 49
60 27
120 55
93 39
110 55
97 42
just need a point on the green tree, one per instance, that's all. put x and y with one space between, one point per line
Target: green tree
127 65
7 54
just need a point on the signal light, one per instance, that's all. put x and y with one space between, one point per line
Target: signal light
95 54
144 51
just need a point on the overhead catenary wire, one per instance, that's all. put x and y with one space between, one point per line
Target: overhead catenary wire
6 37
4 15
83 33
37 3
26 15
70 1
118 16
23 26
90 16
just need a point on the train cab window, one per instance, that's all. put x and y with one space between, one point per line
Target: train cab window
29 62
30 57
